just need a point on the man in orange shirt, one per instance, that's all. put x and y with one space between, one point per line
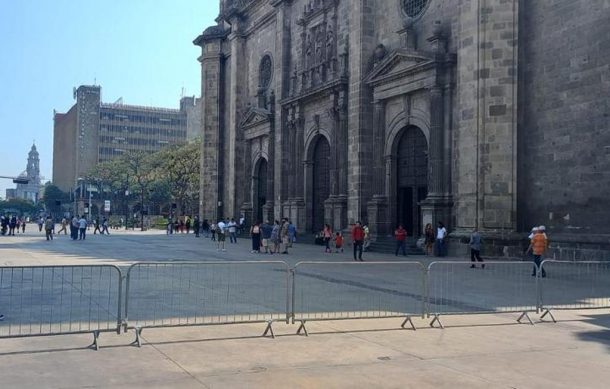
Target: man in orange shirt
538 246
358 239
400 234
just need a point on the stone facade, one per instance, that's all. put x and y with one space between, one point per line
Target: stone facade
411 112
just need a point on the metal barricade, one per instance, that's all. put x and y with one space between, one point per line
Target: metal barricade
357 290
454 287
574 285
173 294
58 300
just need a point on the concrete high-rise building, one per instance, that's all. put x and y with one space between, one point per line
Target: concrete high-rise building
487 114
31 190
93 131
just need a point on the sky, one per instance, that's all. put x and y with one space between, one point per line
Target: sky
140 50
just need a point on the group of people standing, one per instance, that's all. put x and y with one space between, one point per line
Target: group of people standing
11 223
273 238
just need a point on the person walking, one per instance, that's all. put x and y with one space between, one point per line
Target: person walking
266 230
74 228
327 235
275 237
205 227
188 225
338 242
255 233
429 238
367 238
105 227
96 225
213 229
284 239
64 223
48 228
23 223
292 233
475 249
196 226
358 240
232 231
12 225
221 229
40 223
538 246
82 228
400 234
441 236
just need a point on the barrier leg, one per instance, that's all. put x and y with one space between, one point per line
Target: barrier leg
548 312
302 327
437 319
269 329
137 341
408 320
525 315
95 345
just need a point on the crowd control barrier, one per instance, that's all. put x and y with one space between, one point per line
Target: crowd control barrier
172 294
349 290
498 287
58 300
566 285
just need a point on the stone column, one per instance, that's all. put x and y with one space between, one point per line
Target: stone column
377 207
212 84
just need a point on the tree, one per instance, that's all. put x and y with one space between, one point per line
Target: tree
139 169
18 206
53 197
180 166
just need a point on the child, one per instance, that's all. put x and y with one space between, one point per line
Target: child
339 242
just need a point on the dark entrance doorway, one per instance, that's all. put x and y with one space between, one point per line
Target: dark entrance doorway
321 182
412 176
260 193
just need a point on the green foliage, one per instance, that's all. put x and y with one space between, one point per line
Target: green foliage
52 194
18 206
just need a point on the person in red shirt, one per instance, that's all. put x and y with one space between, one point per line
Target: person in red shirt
338 242
358 239
401 236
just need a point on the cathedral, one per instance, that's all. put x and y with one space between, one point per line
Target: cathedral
480 114
31 190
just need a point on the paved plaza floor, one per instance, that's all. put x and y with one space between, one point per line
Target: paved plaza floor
473 351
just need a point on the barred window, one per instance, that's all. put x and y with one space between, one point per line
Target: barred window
414 8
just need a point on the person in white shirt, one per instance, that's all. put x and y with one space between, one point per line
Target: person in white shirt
441 236
82 228
232 231
221 228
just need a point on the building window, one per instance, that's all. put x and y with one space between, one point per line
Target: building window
414 8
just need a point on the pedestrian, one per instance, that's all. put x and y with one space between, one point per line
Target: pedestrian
23 222
538 246
338 242
429 237
475 249
97 228
105 227
48 228
441 236
327 235
255 233
188 224
213 229
12 225
232 231
64 224
358 240
74 228
266 230
292 233
221 229
275 237
284 239
40 224
82 228
242 224
400 234
367 238
18 225
196 226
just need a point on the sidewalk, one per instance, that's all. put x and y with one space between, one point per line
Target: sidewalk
485 351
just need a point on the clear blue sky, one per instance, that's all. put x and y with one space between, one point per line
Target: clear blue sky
140 50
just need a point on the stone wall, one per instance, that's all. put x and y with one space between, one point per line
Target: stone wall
564 134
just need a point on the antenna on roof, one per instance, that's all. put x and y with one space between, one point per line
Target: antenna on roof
182 93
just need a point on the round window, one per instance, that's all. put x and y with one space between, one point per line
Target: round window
414 8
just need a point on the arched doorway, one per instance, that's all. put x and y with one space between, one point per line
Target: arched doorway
412 178
260 189
321 182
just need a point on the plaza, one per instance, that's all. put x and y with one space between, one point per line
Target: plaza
490 350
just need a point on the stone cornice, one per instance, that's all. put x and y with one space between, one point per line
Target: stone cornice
312 93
